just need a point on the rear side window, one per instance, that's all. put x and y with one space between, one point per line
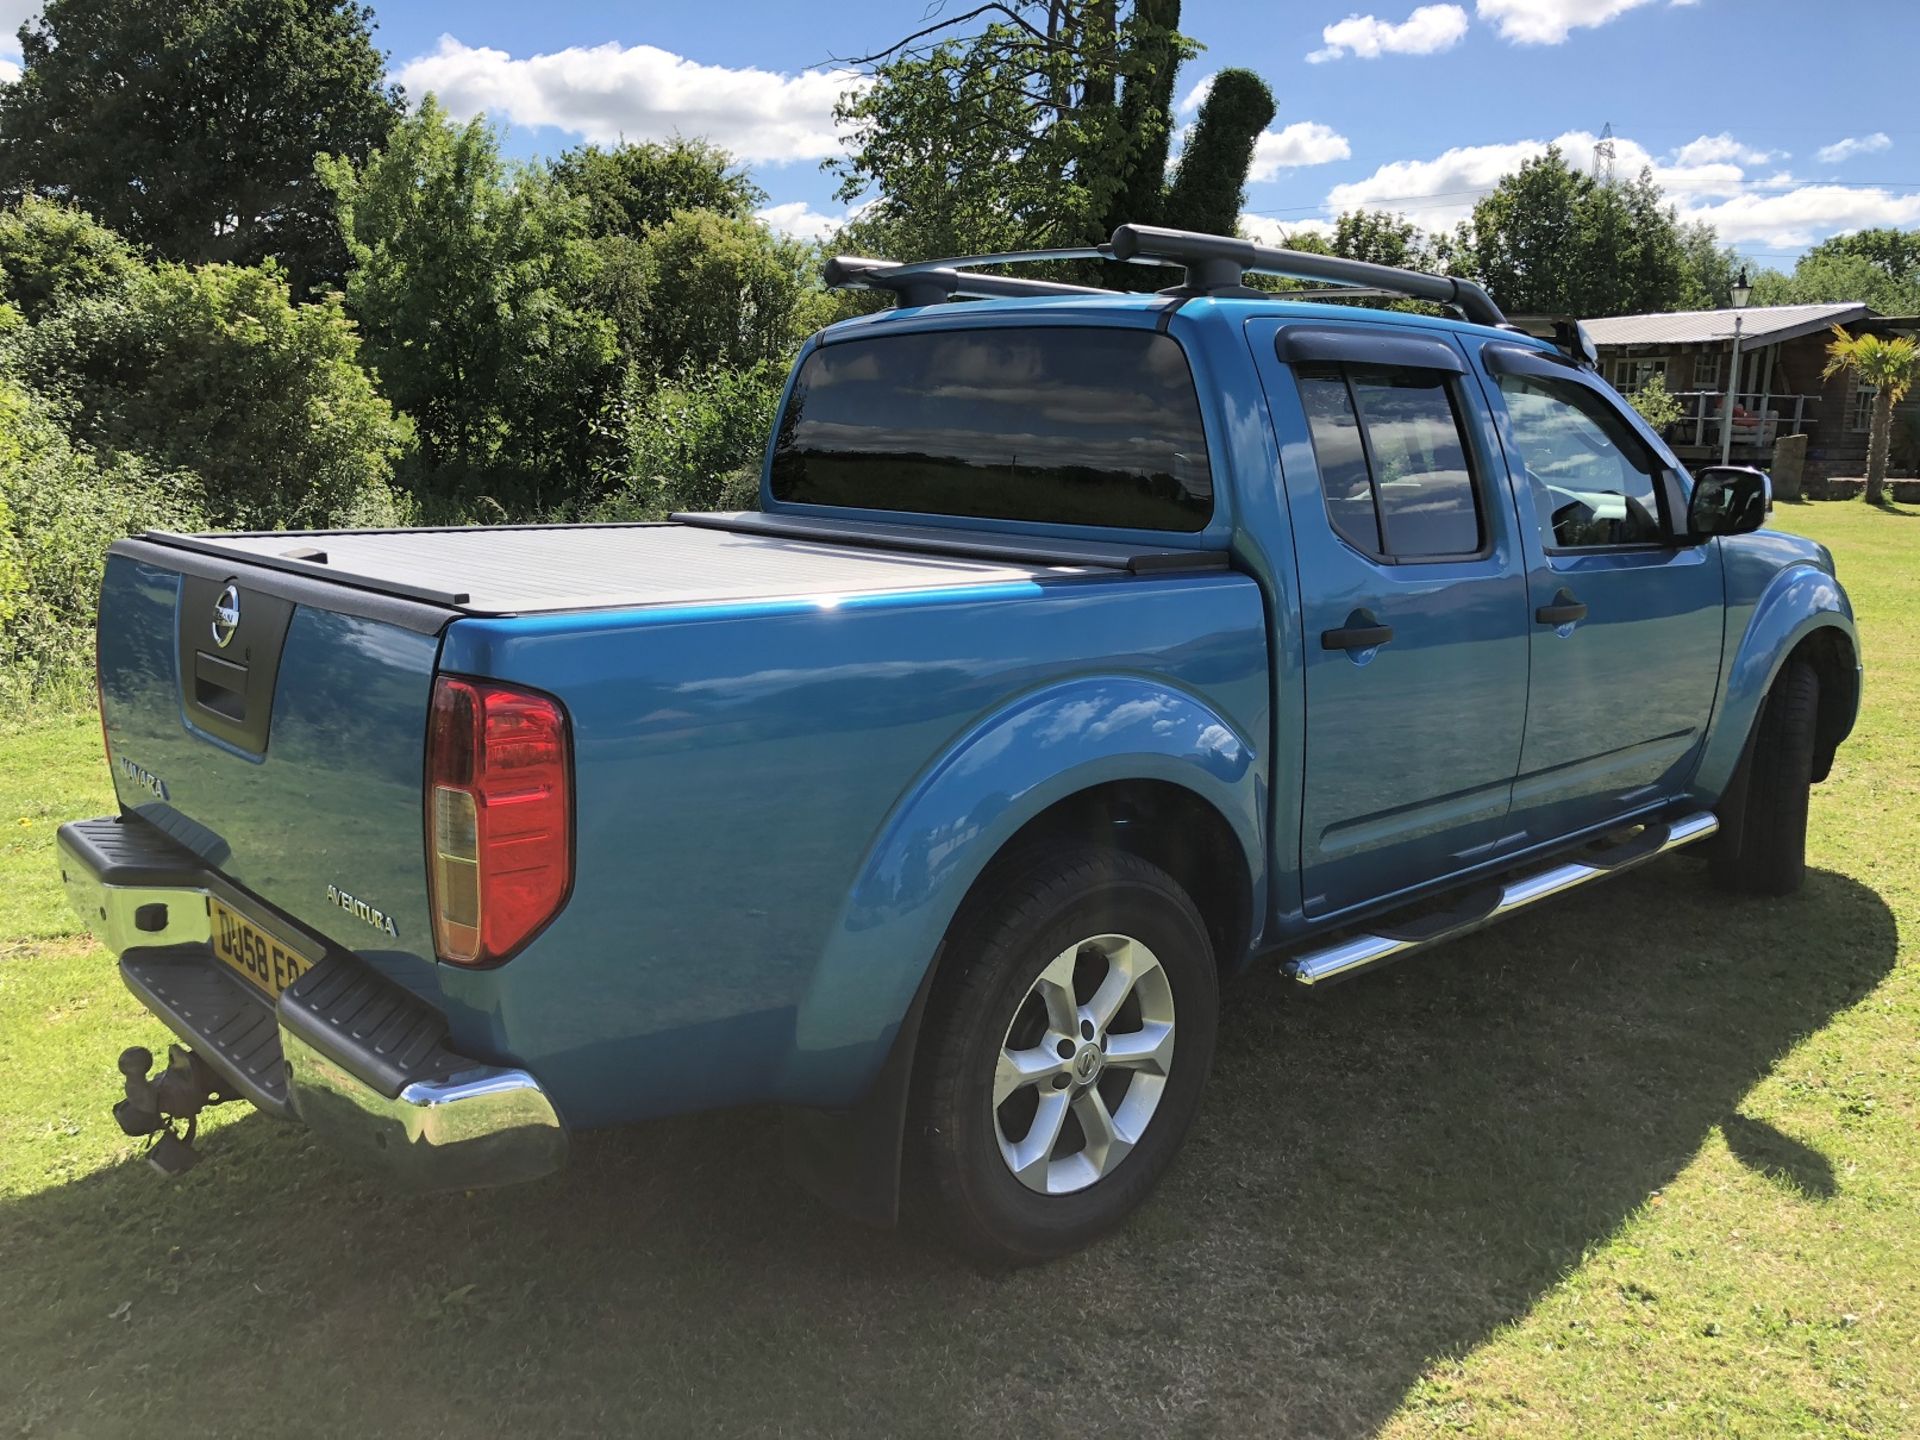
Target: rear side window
1394 465
1068 426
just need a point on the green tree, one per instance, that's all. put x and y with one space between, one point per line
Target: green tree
191 126
1708 268
722 291
1551 241
1880 268
1890 365
474 281
1382 239
1048 127
629 189
1210 185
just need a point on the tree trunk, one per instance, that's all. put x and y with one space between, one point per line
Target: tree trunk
1146 118
1878 441
1098 42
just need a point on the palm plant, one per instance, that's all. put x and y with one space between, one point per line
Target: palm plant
1890 366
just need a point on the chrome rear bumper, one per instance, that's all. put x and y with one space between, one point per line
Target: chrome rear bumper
329 1052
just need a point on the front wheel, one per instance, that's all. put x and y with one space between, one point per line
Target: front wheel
1067 1044
1764 850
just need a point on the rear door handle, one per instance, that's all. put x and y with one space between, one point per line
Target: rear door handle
1356 637
1563 611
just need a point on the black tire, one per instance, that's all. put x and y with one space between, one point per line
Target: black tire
1022 917
1764 850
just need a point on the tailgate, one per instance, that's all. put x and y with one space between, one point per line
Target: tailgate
277 728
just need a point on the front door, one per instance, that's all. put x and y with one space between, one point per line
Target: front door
1414 604
1626 622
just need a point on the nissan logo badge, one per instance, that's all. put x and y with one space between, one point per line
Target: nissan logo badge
226 616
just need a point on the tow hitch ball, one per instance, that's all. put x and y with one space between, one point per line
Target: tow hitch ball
155 1104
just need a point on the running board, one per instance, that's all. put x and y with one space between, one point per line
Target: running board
1492 902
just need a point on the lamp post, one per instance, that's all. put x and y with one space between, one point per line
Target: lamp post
1742 291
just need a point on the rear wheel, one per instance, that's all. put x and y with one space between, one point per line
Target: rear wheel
1066 1048
1764 850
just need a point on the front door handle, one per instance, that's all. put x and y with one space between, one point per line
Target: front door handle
1356 637
1563 611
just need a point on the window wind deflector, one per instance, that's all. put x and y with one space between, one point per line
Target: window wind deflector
1339 345
1525 360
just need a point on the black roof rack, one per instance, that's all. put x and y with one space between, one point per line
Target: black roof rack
1214 265
1563 332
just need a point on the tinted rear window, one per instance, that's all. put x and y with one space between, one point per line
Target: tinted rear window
1069 426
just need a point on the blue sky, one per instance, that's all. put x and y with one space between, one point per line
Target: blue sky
1782 123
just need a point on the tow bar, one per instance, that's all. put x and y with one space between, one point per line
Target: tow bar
176 1095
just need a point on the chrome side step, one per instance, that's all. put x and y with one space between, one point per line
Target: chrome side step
1499 899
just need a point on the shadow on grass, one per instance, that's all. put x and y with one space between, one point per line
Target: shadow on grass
1766 1151
1380 1177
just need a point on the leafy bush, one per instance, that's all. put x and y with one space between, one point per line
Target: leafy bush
212 370
1656 404
59 511
696 444
719 290
51 253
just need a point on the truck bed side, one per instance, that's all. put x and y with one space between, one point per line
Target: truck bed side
737 764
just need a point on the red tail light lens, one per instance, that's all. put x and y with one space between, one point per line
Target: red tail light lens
499 817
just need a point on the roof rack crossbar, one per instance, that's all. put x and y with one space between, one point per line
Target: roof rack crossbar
1214 264
1217 262
934 283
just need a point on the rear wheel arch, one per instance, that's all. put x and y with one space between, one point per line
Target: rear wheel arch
1174 828
852 1157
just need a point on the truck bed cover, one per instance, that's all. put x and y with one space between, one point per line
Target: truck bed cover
704 559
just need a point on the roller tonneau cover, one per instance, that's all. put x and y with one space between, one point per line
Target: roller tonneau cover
703 559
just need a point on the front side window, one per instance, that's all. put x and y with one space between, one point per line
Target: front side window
1595 482
1630 375
1393 463
1067 426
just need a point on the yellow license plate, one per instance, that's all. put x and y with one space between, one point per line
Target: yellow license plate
269 963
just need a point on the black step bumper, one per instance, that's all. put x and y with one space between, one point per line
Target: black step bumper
361 1061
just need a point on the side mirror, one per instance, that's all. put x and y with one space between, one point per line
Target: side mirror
1728 500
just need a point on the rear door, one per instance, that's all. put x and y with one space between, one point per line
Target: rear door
1414 605
1625 623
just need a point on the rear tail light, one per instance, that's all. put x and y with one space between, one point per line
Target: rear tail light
499 817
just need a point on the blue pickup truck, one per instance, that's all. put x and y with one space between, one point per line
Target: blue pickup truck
1088 647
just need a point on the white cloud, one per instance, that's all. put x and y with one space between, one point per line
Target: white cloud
9 72
1265 230
1772 211
800 220
1439 192
1710 149
14 14
639 92
1305 142
1797 218
1854 145
1548 22
1197 96
1426 31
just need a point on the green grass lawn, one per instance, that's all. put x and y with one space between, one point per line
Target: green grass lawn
1644 1162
